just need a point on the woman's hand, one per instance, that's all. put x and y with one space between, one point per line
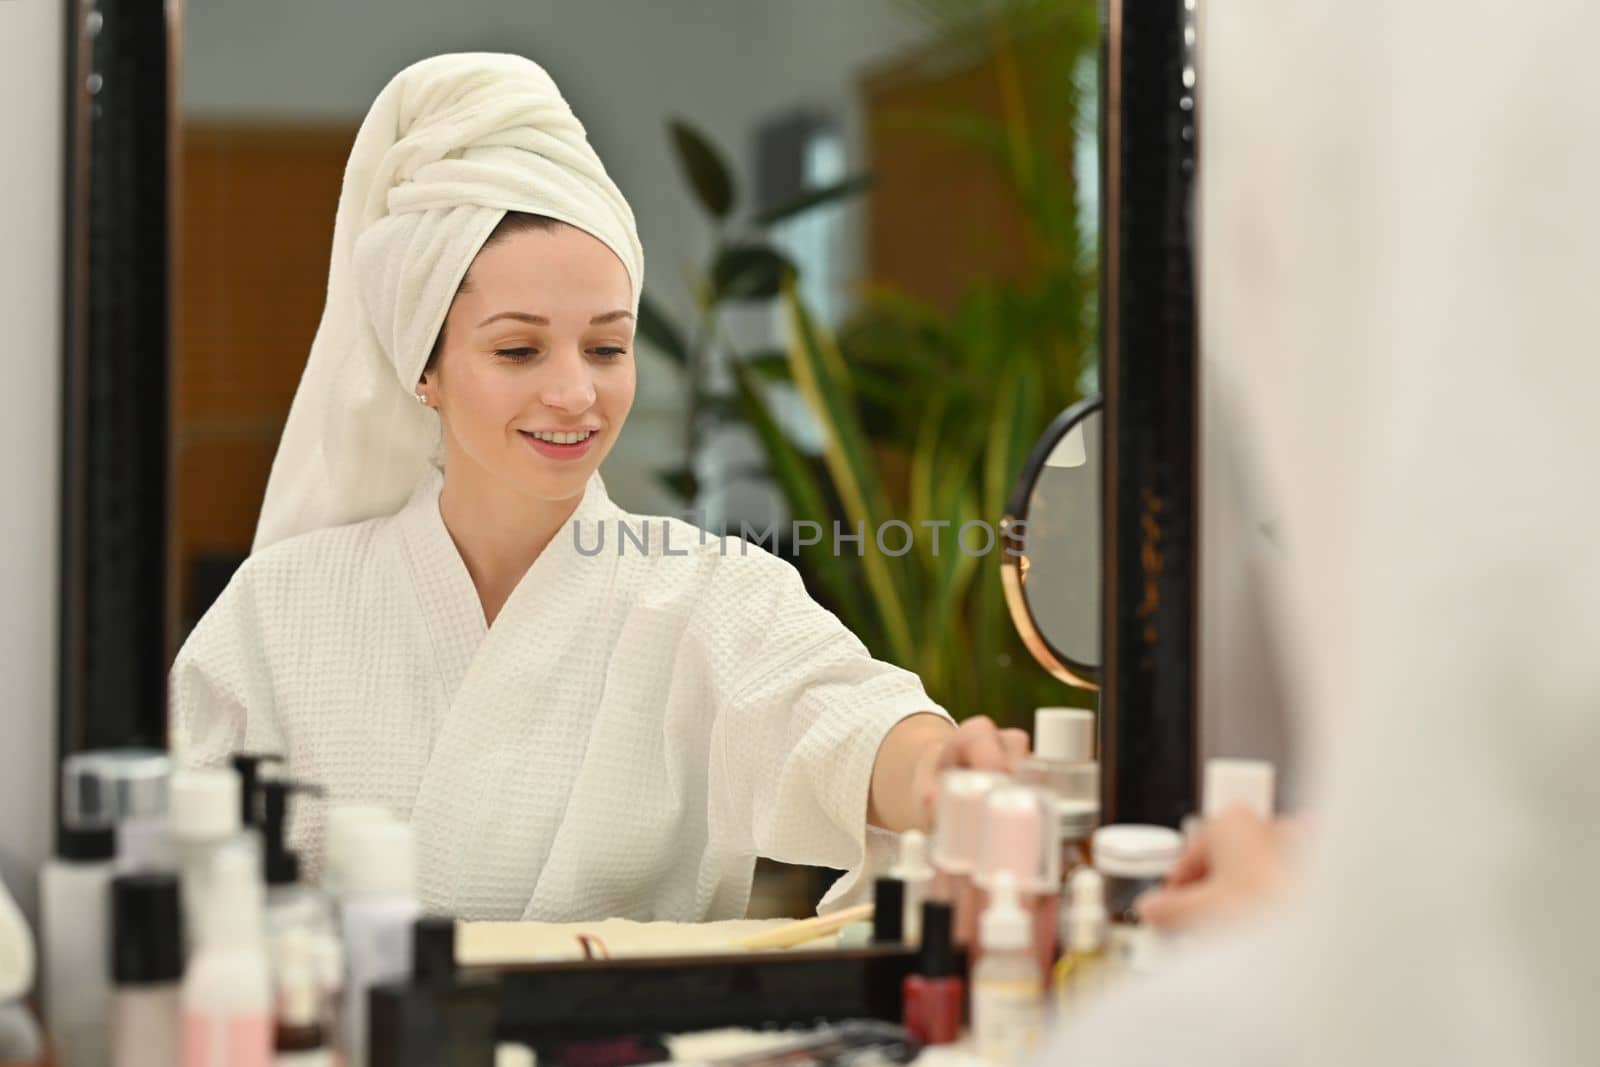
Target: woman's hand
1234 864
905 780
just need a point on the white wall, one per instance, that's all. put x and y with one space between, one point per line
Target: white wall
625 66
31 165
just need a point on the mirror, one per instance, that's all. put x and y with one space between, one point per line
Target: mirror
1052 568
819 141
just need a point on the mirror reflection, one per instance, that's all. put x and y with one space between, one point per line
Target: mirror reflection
1061 576
1053 571
592 454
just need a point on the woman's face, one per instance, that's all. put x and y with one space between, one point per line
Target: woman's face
536 375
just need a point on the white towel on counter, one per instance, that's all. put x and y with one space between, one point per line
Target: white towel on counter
450 145
624 740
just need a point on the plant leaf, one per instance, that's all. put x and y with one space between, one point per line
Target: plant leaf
823 379
655 327
749 272
705 167
814 198
793 475
771 365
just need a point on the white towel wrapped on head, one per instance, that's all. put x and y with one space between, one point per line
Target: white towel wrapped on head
449 146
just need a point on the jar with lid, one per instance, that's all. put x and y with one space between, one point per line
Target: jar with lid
1133 859
1075 791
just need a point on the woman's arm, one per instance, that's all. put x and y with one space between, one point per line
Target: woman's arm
905 776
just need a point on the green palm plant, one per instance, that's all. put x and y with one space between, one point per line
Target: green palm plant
927 413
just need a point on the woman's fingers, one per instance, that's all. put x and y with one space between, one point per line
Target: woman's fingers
1015 742
976 744
1193 862
1232 863
1175 908
981 745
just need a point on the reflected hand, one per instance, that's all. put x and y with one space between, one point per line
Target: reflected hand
977 743
1235 863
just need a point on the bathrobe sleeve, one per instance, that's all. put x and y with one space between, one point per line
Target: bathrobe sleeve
220 693
803 709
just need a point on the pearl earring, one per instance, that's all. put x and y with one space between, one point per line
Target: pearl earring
422 400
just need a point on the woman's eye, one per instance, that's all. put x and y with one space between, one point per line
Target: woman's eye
609 352
514 353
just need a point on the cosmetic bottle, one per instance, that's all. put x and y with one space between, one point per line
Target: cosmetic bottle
958 829
142 780
888 911
1008 982
299 919
74 901
1083 939
1133 859
146 969
300 1033
935 996
340 825
1019 843
1246 783
379 908
435 1018
912 869
98 789
205 816
226 1000
1064 735
342 821
1075 790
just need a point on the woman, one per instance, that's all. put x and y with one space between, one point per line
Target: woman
443 613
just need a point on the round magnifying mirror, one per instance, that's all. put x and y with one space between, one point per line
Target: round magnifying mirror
1052 564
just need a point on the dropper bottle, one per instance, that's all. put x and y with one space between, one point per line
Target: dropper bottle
1008 982
1083 937
913 869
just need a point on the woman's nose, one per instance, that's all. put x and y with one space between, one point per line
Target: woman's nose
569 386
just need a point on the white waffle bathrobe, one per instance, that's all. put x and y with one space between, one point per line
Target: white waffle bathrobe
624 740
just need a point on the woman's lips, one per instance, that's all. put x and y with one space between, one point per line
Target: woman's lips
550 450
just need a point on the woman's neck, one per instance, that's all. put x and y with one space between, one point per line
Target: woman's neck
498 532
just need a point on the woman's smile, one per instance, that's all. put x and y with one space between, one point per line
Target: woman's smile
560 445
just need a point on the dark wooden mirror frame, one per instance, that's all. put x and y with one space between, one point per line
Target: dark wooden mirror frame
115 629
1149 376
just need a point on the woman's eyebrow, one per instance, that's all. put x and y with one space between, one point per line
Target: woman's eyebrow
521 316
540 320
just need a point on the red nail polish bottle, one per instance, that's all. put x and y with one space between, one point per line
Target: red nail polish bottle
934 999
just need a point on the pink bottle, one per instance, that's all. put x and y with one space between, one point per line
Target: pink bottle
1020 838
226 1000
957 832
